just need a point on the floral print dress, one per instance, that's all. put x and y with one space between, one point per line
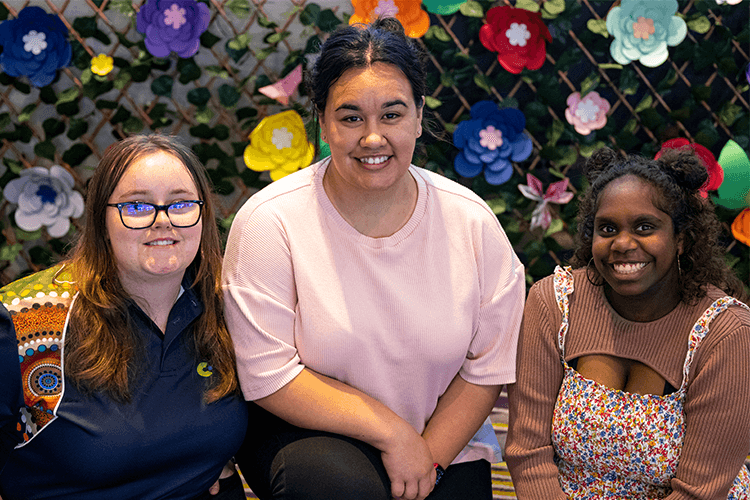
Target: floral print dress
614 444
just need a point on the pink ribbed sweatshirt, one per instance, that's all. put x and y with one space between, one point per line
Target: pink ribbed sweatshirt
395 317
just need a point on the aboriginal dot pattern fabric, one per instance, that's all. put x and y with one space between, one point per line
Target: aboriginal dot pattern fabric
614 444
38 306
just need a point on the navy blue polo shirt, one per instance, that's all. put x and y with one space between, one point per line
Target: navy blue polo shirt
11 394
166 443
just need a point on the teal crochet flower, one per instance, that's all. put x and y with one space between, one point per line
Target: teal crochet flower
642 29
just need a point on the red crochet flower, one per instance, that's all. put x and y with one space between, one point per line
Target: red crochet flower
517 35
715 172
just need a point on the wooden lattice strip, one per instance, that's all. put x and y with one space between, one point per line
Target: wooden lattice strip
611 84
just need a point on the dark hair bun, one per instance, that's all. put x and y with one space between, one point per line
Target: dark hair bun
684 167
598 162
390 24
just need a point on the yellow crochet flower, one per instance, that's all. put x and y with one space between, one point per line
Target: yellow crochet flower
102 64
279 144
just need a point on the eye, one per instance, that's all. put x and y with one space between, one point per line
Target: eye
391 116
644 227
605 229
351 119
137 208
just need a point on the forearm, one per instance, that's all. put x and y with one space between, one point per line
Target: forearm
459 414
314 401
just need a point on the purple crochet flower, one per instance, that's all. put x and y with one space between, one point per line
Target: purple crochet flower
490 141
173 25
34 45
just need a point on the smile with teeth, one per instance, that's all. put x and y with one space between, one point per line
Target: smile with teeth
374 160
629 267
161 242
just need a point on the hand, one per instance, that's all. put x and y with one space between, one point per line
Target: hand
409 465
227 471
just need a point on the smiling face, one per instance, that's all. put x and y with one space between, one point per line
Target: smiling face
634 247
160 251
371 123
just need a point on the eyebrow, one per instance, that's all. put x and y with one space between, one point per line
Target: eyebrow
352 107
143 192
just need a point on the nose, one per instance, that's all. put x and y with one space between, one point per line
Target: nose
373 137
162 219
623 242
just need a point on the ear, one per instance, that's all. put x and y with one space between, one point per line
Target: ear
680 243
420 109
322 127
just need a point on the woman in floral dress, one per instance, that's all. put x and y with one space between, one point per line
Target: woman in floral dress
632 374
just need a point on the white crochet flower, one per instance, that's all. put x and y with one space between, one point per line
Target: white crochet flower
730 2
45 198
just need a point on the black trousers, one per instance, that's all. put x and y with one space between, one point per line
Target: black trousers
284 462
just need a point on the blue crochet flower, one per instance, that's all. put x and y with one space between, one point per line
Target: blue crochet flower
490 141
173 25
35 45
642 30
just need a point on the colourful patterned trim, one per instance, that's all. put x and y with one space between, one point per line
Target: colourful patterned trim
39 308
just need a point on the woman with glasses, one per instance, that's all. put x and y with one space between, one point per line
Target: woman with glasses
129 374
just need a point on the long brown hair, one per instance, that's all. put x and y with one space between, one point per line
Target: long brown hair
101 346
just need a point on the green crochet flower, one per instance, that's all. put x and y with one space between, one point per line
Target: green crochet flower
642 29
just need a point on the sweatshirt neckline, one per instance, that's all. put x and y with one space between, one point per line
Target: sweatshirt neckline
346 228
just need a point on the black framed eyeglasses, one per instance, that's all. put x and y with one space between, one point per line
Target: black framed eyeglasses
140 215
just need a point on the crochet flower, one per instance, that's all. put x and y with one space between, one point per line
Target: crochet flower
102 64
517 35
35 45
715 172
741 227
279 144
173 25
642 29
443 7
409 13
45 198
730 2
489 141
556 193
587 114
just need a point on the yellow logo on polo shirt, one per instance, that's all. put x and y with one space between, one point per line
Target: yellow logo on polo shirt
205 370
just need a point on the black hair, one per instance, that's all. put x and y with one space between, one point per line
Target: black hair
677 175
362 45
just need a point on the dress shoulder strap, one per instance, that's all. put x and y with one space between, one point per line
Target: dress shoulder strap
39 307
700 330
563 282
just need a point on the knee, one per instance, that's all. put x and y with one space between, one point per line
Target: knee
329 468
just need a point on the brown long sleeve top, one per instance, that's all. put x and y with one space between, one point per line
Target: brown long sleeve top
717 406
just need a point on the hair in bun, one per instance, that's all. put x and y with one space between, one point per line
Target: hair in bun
684 167
677 175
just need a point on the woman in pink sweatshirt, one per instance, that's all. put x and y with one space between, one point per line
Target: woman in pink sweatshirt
374 305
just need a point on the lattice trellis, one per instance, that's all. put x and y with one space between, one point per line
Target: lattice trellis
687 97
131 106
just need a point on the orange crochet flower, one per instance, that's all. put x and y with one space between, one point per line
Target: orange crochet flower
408 12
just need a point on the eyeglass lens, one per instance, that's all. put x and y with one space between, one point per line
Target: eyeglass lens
142 215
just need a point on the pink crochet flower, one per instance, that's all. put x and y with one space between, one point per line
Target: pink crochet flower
587 114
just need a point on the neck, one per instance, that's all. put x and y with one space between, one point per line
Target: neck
155 297
374 213
647 307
